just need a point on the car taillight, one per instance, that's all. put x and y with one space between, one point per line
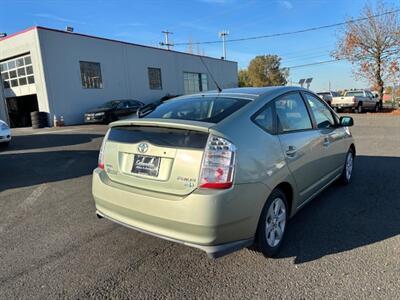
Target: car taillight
101 152
218 164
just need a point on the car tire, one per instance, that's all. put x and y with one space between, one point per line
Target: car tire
111 118
359 108
272 224
347 172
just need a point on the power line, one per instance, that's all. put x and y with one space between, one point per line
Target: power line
330 61
294 32
306 56
316 63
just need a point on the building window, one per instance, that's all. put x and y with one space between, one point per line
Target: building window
155 78
91 75
195 82
14 72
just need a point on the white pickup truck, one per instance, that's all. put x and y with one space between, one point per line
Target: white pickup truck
358 101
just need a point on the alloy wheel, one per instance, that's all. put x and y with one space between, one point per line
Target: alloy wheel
275 222
349 165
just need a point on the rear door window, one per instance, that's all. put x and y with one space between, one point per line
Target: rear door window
356 93
292 114
202 108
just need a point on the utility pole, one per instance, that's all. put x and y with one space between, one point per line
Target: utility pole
166 43
223 34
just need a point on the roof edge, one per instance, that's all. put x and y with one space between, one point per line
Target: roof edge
18 33
106 39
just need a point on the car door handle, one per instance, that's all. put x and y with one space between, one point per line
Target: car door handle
291 151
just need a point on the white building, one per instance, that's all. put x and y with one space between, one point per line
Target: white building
66 73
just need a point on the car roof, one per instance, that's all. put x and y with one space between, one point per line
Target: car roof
250 93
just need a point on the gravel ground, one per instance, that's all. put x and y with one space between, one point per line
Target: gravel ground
345 244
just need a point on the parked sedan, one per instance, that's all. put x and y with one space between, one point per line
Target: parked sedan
220 171
5 133
112 111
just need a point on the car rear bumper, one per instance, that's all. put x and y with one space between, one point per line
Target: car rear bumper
212 251
216 222
344 105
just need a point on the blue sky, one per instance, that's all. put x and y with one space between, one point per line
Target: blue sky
200 20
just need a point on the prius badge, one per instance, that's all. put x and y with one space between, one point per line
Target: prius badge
143 147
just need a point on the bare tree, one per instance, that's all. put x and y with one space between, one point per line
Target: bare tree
372 45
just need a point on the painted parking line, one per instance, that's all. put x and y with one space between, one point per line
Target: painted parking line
54 131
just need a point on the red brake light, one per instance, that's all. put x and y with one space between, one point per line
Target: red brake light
210 185
218 164
101 152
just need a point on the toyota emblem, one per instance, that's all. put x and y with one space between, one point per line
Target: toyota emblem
143 147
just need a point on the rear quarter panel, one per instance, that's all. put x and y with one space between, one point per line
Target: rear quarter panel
259 157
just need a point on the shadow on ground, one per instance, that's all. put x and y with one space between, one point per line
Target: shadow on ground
36 141
27 169
346 217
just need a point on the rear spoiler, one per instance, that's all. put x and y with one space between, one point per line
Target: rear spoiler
166 123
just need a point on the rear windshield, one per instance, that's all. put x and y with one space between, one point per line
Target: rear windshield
355 94
203 109
168 137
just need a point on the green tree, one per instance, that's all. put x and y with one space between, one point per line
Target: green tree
265 70
243 78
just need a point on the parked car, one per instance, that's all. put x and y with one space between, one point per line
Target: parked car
220 171
327 96
5 134
357 101
112 111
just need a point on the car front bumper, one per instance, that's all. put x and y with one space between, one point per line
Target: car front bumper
94 119
215 221
5 136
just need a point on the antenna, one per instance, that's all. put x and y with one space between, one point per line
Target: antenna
211 75
167 43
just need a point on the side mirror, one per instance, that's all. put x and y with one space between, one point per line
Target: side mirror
346 121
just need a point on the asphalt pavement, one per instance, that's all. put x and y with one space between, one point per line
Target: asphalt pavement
345 244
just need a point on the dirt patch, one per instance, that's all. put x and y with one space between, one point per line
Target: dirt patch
396 112
386 111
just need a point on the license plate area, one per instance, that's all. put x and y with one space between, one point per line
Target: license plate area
146 165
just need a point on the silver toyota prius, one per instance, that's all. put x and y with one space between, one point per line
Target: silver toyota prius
220 171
